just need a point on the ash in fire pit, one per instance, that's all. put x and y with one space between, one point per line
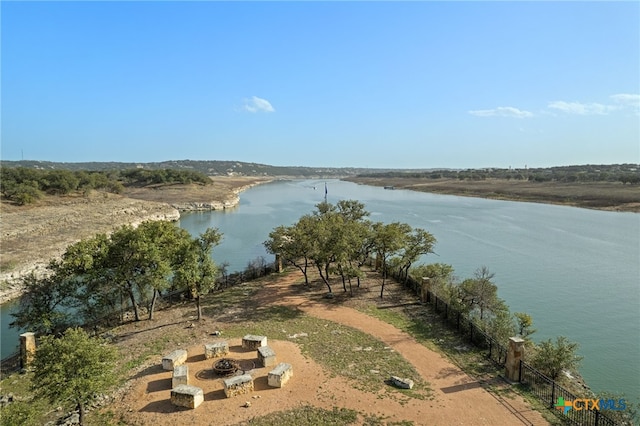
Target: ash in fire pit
225 367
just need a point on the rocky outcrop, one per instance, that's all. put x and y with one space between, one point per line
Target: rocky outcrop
32 237
207 206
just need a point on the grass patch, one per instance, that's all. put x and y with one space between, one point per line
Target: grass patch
307 416
343 350
24 410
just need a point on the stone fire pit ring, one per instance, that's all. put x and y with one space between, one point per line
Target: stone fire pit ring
225 366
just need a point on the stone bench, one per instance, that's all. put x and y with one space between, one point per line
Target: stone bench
216 350
180 376
253 342
187 396
266 356
280 375
174 359
238 385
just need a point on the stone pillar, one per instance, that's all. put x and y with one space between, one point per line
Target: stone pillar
278 263
424 289
378 263
515 353
27 349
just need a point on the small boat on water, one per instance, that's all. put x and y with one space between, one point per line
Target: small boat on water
389 187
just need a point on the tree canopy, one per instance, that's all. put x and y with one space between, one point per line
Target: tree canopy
96 277
338 239
73 368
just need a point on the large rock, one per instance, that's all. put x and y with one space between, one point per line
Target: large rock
401 383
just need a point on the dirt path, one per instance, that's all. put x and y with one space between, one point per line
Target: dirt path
458 398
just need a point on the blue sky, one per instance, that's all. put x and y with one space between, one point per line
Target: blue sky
341 84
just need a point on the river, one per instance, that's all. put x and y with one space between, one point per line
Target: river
576 271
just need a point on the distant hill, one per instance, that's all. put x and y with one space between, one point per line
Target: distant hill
211 168
628 172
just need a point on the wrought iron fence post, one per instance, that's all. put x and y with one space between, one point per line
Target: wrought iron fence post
520 372
597 412
553 392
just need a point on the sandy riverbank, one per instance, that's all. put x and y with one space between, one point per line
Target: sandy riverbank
610 196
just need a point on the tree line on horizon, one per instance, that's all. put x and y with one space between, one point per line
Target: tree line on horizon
624 173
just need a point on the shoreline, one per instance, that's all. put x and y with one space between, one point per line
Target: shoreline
596 196
65 221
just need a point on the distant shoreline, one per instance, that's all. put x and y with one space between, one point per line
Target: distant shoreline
607 196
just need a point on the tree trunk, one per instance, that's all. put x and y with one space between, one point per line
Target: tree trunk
132 296
303 270
199 306
324 279
344 283
156 293
80 414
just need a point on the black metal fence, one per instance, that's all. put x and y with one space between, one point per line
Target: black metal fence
10 364
541 386
459 320
552 394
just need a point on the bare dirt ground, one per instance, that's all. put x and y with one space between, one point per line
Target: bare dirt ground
30 236
458 399
613 196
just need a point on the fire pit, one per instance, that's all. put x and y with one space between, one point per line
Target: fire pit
225 367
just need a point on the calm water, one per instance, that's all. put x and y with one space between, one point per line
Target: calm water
576 271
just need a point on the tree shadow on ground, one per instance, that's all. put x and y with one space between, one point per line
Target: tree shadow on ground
152 369
159 385
164 406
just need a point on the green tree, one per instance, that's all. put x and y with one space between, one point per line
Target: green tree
194 268
418 243
552 358
74 368
499 324
524 324
326 225
480 292
44 306
389 240
161 241
293 244
139 260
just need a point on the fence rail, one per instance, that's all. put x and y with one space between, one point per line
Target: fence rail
468 328
10 364
548 391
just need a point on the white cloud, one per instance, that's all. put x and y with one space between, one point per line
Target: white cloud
580 108
256 104
501 112
627 101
